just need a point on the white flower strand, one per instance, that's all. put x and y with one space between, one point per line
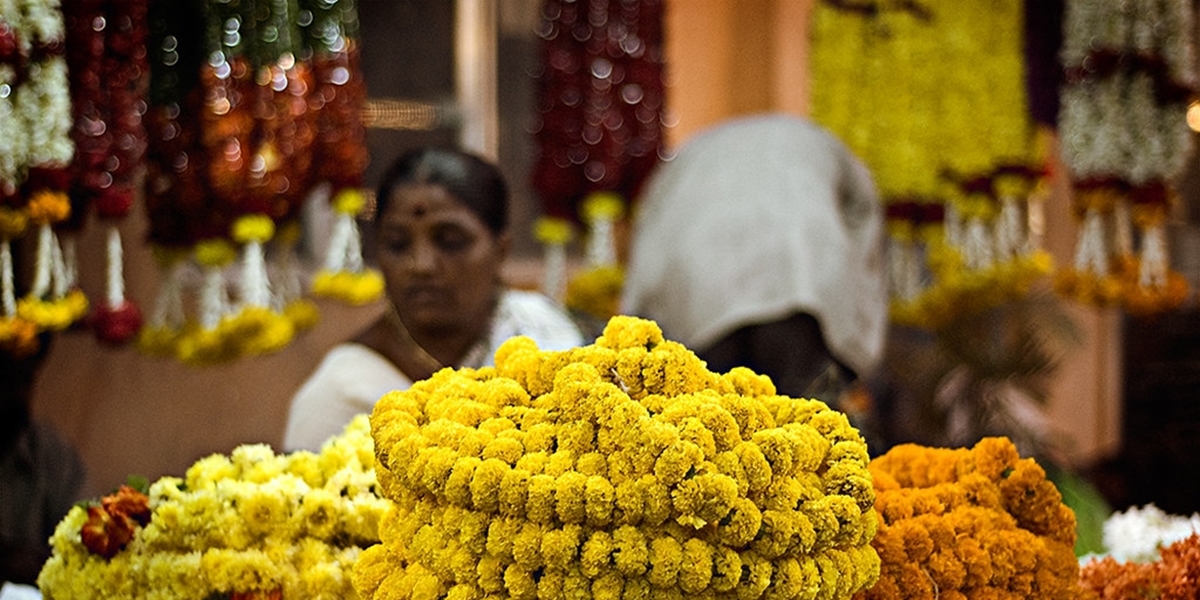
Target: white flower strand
58 269
288 287
255 288
214 300
953 226
600 248
978 249
114 279
8 298
345 246
1011 240
168 305
70 261
43 258
1091 253
904 269
554 277
1152 270
13 146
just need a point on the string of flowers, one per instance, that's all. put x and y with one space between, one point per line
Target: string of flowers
340 152
970 522
554 233
622 469
42 103
107 61
599 122
250 524
1128 77
238 112
902 84
596 290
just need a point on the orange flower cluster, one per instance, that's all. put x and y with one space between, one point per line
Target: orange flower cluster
970 523
1175 576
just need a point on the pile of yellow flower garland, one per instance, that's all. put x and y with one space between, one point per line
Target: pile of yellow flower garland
620 470
250 524
977 522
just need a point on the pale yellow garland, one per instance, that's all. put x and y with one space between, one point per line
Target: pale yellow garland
620 470
920 93
251 521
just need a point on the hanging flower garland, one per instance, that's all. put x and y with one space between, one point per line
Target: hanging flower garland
1128 77
340 149
237 115
596 290
107 59
970 522
42 103
902 84
17 335
176 187
624 469
250 524
600 104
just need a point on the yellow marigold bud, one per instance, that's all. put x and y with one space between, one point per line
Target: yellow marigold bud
215 252
603 205
253 228
13 223
348 201
47 206
552 231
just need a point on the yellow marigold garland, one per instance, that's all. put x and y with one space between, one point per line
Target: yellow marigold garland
623 469
250 522
874 86
978 522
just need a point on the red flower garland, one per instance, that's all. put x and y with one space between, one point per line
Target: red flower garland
600 100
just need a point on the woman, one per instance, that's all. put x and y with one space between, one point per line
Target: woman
439 237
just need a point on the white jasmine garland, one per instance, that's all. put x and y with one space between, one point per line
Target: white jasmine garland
1136 534
13 147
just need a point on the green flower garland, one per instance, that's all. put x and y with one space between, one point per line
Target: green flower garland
620 470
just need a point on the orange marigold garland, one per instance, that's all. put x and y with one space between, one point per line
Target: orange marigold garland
1174 576
970 522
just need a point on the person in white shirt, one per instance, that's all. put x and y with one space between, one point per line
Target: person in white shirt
439 237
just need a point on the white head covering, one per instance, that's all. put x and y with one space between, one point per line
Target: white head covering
755 219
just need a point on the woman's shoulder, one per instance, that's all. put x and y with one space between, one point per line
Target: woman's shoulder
533 314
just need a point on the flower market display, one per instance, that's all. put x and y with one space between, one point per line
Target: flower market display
223 118
978 522
251 524
619 470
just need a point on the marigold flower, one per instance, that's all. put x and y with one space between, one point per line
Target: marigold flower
620 470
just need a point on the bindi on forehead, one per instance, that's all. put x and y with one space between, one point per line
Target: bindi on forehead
417 208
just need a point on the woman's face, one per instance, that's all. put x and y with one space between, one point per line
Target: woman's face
440 261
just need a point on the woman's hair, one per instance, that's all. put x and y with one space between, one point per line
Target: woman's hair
471 180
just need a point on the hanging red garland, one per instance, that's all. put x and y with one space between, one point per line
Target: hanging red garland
600 100
107 59
340 151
